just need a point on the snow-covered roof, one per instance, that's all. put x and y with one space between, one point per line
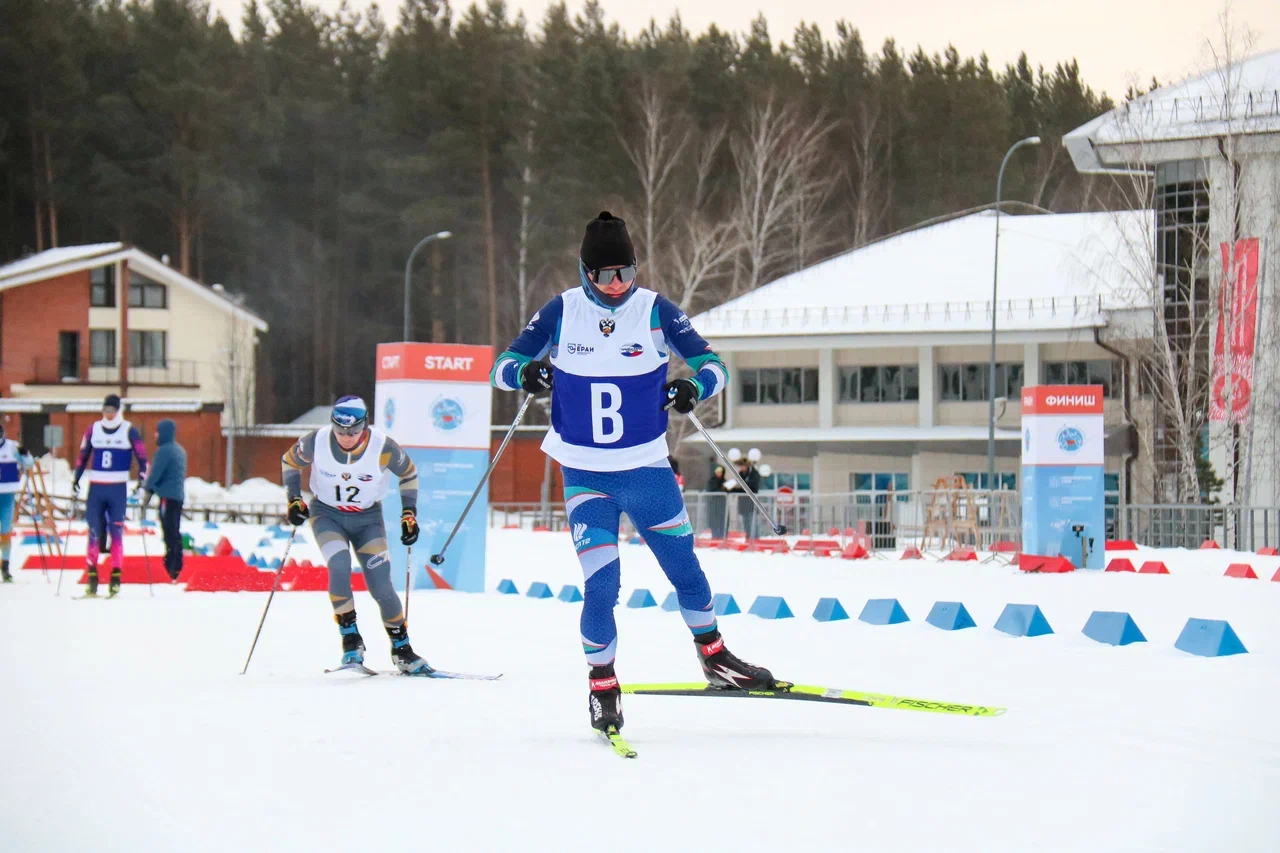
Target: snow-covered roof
767 435
1057 271
313 417
1243 99
94 404
70 259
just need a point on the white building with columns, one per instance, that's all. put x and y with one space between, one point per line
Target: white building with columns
1207 149
871 368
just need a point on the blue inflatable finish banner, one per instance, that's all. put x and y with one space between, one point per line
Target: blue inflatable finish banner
1063 511
434 399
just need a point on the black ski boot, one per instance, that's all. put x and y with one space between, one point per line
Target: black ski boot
725 670
407 661
91 588
113 585
606 699
352 643
4 572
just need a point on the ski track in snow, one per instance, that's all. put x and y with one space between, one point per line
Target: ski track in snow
127 726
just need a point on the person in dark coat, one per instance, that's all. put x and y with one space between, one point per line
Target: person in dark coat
167 478
747 475
716 501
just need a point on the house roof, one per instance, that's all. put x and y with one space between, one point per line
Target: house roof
1243 99
1057 271
70 259
869 434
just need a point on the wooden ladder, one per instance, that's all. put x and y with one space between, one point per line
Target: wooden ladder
35 502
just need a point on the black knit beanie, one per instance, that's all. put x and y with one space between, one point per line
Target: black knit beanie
112 400
606 243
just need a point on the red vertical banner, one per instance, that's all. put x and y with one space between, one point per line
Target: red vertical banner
1233 345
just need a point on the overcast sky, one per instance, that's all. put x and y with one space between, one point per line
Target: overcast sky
1116 41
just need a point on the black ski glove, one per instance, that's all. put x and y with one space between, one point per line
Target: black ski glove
537 377
408 527
681 395
298 512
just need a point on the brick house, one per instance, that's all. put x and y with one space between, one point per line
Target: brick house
80 322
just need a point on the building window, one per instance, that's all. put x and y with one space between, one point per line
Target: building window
968 382
102 287
147 349
978 480
1105 373
68 355
880 384
145 293
779 385
102 347
881 482
799 481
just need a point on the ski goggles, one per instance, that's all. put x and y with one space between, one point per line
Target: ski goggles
613 280
349 429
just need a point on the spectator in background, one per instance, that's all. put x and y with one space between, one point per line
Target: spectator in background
675 469
746 475
167 479
716 502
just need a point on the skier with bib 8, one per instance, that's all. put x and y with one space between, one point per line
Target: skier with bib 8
604 348
107 450
351 465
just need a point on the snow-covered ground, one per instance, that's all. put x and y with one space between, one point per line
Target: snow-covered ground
127 726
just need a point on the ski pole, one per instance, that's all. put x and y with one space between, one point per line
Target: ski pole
408 567
438 559
146 557
29 495
71 514
778 529
275 584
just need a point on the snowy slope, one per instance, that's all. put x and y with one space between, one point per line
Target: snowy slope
127 726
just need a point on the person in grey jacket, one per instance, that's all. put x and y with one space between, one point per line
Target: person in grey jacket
167 478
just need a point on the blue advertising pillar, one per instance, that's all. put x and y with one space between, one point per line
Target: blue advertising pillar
434 399
1063 510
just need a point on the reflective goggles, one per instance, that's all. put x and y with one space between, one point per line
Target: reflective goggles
607 278
353 428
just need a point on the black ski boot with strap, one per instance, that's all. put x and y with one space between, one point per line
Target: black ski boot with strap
91 587
605 701
113 585
352 642
4 572
407 661
725 670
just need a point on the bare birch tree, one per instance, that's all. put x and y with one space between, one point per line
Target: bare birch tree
869 176
705 243
656 150
771 153
1167 341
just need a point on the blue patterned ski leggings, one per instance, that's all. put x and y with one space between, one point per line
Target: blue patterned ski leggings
650 497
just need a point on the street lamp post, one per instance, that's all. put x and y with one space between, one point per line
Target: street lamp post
995 282
408 268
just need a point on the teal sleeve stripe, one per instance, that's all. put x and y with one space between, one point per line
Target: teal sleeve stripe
702 392
699 361
710 374
506 370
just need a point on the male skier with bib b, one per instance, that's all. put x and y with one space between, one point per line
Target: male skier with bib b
604 348
351 464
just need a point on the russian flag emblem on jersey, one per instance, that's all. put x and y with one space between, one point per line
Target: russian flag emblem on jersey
632 350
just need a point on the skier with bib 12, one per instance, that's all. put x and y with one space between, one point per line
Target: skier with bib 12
602 349
351 464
